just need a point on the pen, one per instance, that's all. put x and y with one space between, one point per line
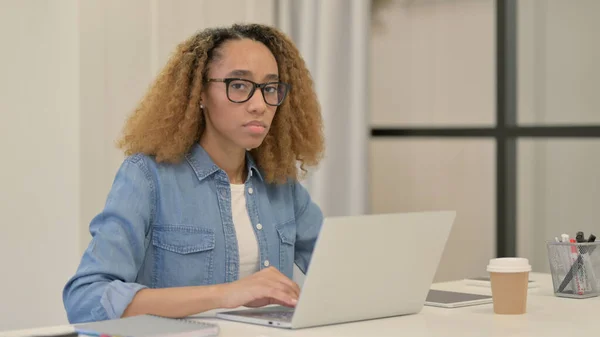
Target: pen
576 259
580 237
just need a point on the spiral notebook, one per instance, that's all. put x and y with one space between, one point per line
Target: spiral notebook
148 326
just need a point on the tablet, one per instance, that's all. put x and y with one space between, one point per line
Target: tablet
451 299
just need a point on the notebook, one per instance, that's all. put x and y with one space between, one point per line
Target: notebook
484 281
148 326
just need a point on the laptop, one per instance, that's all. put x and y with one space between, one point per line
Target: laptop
363 267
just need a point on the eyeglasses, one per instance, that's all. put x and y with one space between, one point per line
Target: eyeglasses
240 90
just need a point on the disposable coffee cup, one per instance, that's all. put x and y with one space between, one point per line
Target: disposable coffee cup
509 277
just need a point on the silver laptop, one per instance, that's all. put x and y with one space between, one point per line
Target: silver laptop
363 267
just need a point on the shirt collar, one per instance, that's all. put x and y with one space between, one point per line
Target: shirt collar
204 166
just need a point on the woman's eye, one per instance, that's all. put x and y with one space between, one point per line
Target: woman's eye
271 89
239 86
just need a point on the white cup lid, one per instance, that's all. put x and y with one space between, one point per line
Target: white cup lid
509 265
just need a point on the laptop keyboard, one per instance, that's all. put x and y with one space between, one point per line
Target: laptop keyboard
285 316
273 313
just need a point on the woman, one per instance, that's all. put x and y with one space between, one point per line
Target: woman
206 211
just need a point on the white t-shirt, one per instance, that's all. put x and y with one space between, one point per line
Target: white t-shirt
247 243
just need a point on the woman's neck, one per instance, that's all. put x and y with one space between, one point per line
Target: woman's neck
229 159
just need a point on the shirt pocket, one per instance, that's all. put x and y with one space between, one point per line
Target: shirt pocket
287 241
184 255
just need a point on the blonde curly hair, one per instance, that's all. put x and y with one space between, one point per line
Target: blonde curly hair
168 120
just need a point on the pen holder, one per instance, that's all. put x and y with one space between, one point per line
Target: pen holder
575 269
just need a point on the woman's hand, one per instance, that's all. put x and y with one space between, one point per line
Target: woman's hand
268 286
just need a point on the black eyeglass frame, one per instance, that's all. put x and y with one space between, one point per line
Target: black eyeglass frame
255 85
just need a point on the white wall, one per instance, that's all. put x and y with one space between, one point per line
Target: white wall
558 57
432 65
559 186
72 72
39 119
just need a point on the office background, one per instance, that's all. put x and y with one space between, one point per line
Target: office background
73 70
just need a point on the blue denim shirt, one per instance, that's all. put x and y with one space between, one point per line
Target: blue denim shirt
170 225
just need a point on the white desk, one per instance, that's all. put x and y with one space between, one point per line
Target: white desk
547 316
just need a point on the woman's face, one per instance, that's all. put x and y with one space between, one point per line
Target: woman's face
239 125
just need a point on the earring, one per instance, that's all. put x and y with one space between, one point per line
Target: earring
201 107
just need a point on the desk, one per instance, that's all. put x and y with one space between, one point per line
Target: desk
546 315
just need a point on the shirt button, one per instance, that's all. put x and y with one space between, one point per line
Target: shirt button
259 226
266 263
250 190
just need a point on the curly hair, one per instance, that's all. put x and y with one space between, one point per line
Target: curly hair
168 120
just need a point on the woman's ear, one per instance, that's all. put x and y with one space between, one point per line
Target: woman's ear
202 100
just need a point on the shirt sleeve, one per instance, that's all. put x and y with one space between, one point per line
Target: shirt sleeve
309 219
104 283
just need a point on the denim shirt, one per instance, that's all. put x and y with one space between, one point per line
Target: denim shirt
170 225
